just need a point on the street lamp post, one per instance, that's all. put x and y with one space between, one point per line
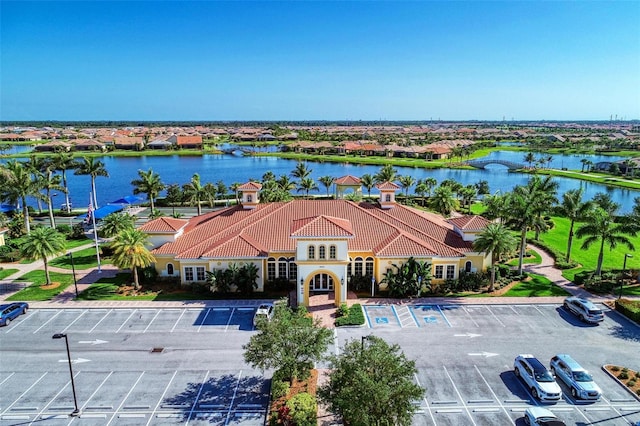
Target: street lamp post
75 412
73 269
624 271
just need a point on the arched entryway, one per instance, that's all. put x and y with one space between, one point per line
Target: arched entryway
322 281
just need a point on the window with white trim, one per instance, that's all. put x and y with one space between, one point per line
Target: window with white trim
293 270
188 273
387 198
322 252
467 266
451 272
332 252
271 269
200 275
368 266
169 268
312 252
282 267
438 272
357 267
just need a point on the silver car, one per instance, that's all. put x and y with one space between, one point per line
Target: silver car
537 378
583 309
538 416
577 378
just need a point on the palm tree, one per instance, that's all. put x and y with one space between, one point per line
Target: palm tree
482 187
530 158
545 190
574 209
195 192
468 193
115 223
421 189
286 184
443 201
37 165
301 171
64 161
386 174
150 184
307 184
327 181
51 182
584 163
368 182
130 252
43 243
406 182
18 186
602 225
430 183
497 240
234 187
94 168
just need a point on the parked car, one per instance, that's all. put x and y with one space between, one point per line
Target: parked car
11 311
539 416
577 378
264 311
583 309
537 378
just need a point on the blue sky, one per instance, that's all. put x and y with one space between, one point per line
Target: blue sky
312 60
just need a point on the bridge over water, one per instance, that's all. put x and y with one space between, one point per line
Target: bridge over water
481 164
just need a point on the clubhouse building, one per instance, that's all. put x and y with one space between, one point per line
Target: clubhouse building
318 244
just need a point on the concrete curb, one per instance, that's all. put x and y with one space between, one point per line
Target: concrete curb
637 397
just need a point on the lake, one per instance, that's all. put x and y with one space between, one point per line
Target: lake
233 168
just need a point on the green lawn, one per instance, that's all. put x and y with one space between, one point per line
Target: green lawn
77 243
537 286
107 289
6 272
83 259
35 293
588 259
534 259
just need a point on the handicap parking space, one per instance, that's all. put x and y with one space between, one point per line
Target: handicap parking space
381 316
429 315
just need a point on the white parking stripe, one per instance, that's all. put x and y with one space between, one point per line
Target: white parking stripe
229 321
195 402
53 399
98 323
459 395
125 399
470 317
9 376
425 400
494 315
203 319
155 316
49 320
72 322
24 393
93 394
235 392
493 393
178 320
166 388
125 321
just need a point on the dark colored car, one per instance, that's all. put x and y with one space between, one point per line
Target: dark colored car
12 311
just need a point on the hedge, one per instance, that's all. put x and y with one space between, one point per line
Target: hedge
629 308
557 255
355 316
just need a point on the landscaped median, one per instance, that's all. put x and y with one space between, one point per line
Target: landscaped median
629 379
349 315
629 308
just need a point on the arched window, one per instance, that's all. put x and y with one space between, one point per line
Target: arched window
271 269
282 267
349 268
387 198
369 266
357 267
293 270
467 266
169 268
322 252
332 252
312 252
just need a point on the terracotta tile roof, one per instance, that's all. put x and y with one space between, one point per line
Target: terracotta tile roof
164 224
471 223
236 232
250 185
347 180
387 185
321 226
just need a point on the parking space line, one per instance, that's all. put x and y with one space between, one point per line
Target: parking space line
459 395
470 317
9 376
166 388
153 319
492 392
203 319
17 324
49 320
125 321
125 399
24 393
233 398
94 393
614 408
101 319
195 402
178 320
494 315
443 316
229 321
73 322
53 399
424 398
395 313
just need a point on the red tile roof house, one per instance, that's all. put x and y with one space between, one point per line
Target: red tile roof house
318 244
186 142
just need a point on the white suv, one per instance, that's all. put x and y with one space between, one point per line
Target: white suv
577 378
537 378
584 309
264 311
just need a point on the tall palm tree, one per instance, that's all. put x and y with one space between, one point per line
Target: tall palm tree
37 165
210 193
468 193
195 192
497 240
301 171
51 182
482 187
430 183
368 182
574 209
18 186
421 189
327 181
602 226
443 201
386 174
530 158
130 251
43 243
64 161
286 184
115 223
94 168
406 182
307 184
150 184
545 190
234 187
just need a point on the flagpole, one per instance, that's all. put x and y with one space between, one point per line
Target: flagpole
95 233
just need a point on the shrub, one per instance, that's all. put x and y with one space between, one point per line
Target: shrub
64 229
629 308
631 383
303 409
343 310
279 389
623 376
355 316
615 368
638 392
